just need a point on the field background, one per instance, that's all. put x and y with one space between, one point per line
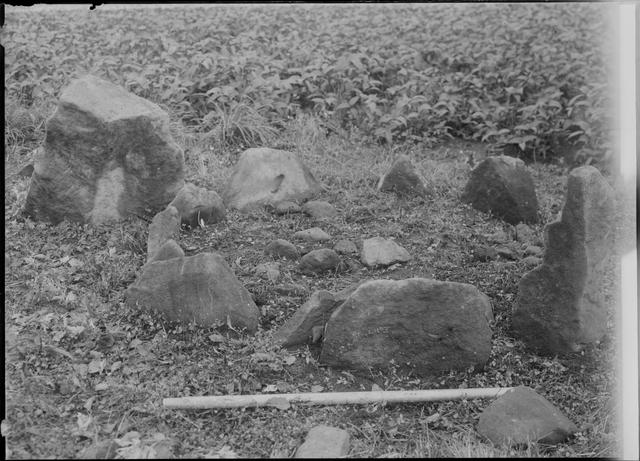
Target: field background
347 87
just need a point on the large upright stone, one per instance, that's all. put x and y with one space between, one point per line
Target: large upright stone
418 324
107 154
266 176
200 289
502 185
560 303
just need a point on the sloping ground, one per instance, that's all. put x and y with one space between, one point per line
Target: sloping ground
82 368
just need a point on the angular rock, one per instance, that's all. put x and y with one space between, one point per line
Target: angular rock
298 329
107 154
281 248
268 176
420 324
268 271
503 186
506 252
560 304
286 207
315 234
324 442
318 261
170 249
403 179
345 247
196 203
319 209
378 251
164 226
522 416
201 289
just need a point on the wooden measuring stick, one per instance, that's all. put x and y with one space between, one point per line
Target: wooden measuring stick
330 398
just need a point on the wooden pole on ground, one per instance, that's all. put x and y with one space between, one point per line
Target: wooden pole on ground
330 398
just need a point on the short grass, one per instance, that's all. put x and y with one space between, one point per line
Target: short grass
83 369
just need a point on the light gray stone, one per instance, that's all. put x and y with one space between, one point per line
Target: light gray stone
164 226
324 442
197 203
377 251
315 234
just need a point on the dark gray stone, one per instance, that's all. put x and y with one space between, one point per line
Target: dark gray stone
560 304
422 325
521 416
318 261
503 186
164 226
403 179
282 249
196 203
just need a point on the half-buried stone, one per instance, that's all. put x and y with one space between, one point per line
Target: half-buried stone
561 304
170 249
319 209
281 248
201 289
266 176
315 234
421 325
502 185
107 154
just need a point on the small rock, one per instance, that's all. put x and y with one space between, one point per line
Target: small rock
402 179
196 204
269 271
533 250
319 209
345 247
106 449
378 251
315 234
298 329
321 260
324 442
26 171
506 252
532 261
169 250
286 207
291 289
524 233
521 416
163 227
484 253
281 248
497 237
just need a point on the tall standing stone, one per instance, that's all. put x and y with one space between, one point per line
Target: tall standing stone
502 185
107 154
266 176
560 303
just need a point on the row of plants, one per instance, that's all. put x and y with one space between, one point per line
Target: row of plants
534 77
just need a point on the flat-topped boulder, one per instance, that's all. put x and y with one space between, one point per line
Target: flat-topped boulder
560 303
422 325
266 176
201 289
503 186
107 154
378 251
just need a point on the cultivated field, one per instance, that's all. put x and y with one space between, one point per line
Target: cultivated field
347 87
